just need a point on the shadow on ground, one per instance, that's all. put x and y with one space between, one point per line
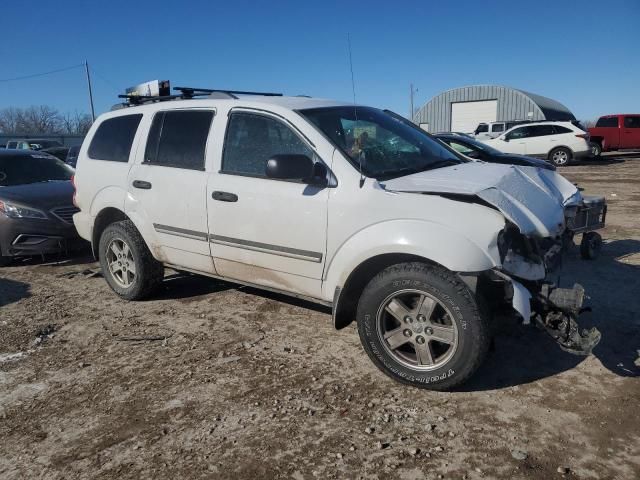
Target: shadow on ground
12 291
524 354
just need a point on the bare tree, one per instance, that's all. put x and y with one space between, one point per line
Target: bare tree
11 120
42 120
75 123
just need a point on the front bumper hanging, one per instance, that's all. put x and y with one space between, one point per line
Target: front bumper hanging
557 311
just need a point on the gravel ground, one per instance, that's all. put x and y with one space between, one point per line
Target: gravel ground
211 380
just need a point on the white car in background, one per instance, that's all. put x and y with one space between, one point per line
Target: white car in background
559 142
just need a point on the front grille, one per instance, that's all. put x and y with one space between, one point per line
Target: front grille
65 213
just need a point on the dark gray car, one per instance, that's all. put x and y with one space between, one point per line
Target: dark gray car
36 205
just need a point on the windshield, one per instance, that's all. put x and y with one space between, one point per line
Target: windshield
385 146
23 169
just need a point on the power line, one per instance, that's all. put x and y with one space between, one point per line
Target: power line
34 75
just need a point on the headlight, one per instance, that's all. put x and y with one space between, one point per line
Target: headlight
13 210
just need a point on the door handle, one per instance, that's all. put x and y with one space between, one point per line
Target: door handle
224 196
142 184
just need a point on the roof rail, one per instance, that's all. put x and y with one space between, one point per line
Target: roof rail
190 92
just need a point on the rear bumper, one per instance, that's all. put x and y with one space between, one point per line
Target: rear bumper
23 237
582 154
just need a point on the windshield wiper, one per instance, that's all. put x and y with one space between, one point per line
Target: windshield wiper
401 172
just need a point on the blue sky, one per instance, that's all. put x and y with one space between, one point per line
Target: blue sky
584 54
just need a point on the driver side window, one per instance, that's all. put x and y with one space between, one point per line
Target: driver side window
522 132
253 139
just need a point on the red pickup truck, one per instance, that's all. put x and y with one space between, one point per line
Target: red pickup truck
615 132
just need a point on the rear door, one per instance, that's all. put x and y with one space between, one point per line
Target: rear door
167 188
541 140
630 134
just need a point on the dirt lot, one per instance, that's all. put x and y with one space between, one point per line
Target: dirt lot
252 385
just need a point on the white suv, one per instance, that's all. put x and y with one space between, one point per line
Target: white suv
559 142
344 205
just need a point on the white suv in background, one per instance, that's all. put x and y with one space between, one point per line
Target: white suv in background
344 205
559 142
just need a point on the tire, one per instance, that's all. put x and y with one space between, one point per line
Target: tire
5 261
596 149
147 273
449 311
590 245
560 156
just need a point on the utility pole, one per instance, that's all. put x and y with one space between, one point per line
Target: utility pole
93 112
411 102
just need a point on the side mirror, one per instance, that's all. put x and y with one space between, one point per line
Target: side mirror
473 154
296 167
505 139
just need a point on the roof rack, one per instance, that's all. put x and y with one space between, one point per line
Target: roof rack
160 91
190 92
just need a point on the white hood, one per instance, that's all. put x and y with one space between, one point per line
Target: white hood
532 198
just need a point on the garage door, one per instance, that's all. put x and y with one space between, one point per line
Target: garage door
465 116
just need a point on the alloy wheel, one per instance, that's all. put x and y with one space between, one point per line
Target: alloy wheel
122 266
560 157
417 330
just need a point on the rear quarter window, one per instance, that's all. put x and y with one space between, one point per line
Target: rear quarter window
112 141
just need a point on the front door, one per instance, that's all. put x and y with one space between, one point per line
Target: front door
514 141
264 231
168 187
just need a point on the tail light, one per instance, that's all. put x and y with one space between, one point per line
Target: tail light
583 135
73 184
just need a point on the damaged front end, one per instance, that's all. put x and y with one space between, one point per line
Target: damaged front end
526 262
542 212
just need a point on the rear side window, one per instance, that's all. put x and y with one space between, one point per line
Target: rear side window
607 122
557 129
253 139
179 139
631 122
498 127
112 141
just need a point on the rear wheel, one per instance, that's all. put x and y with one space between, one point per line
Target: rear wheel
421 326
560 156
127 264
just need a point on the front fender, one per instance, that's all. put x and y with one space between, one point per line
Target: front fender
436 242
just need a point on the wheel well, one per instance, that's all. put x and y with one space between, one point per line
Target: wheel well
105 218
347 302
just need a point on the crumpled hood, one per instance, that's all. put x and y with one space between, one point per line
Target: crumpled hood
532 198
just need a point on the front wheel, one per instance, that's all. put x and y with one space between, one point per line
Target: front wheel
560 156
127 264
590 245
596 149
422 326
5 261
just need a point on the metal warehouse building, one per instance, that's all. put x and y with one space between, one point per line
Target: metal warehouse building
461 109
